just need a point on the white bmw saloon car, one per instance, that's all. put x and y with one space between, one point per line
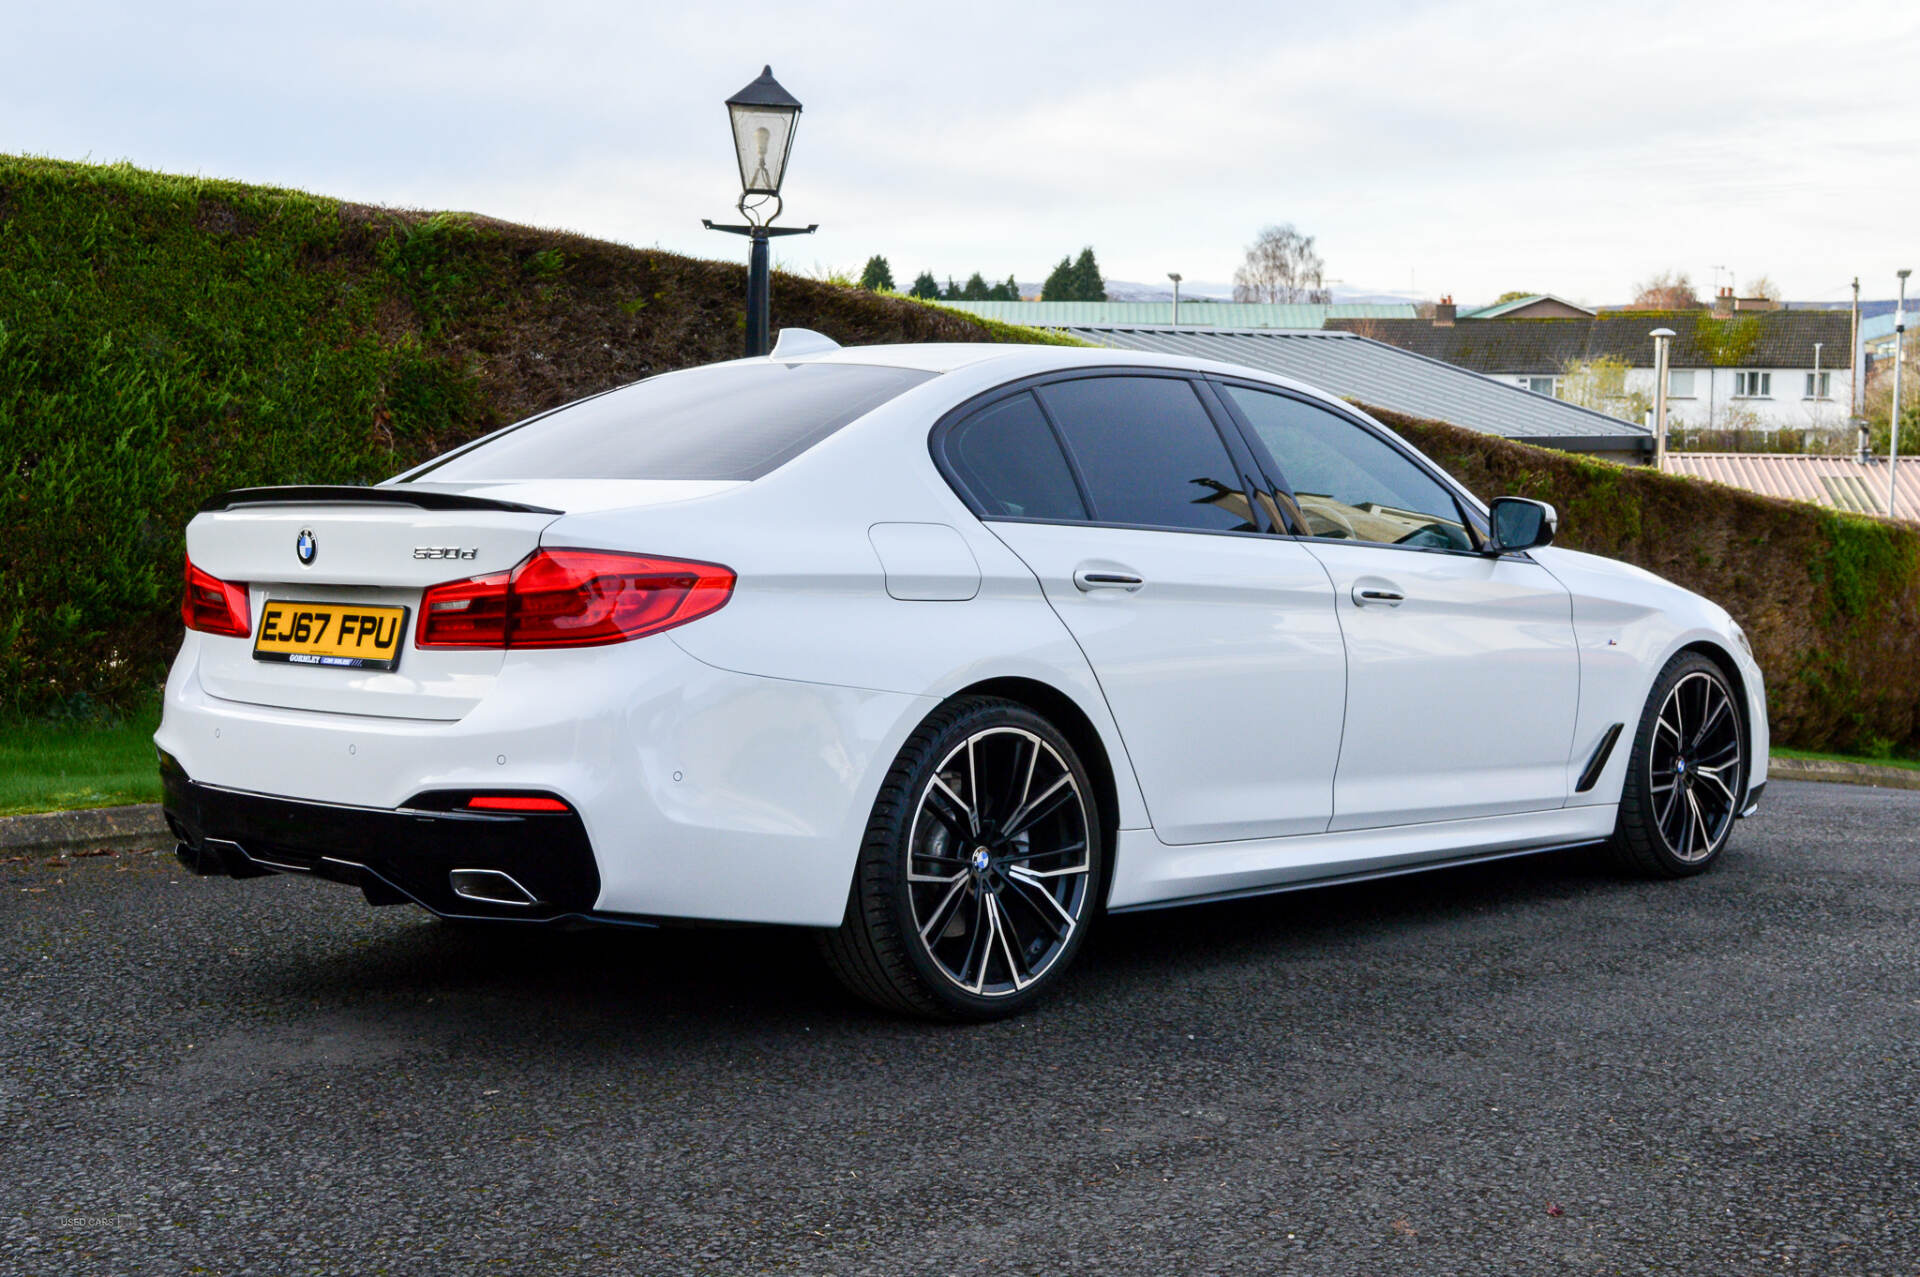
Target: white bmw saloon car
943 650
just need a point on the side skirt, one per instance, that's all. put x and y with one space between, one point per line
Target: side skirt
1336 880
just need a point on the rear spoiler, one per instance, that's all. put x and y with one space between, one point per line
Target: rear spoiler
353 494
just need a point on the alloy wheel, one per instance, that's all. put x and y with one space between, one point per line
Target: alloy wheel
1695 766
998 865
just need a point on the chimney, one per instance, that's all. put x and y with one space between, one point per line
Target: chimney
1723 303
1444 312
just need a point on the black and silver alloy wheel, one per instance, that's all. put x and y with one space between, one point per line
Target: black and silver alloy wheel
998 863
1694 766
1687 774
979 874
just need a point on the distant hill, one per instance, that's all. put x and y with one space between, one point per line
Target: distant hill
164 338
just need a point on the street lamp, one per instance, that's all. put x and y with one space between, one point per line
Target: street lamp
1176 277
764 117
1899 357
1662 339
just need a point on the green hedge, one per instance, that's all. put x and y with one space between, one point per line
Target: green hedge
165 338
1830 601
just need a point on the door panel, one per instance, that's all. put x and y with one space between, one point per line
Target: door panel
1223 665
1462 693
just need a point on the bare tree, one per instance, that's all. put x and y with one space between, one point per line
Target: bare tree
1762 286
1668 290
1281 266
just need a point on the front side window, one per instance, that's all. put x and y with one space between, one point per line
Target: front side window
1351 485
1680 385
1544 385
1149 453
1752 385
728 421
1818 384
1007 457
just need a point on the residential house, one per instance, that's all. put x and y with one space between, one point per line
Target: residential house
1764 369
1535 306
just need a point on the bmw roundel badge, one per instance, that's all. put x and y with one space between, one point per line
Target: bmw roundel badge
306 547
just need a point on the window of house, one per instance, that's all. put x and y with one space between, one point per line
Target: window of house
1351 485
1818 384
1680 384
1752 385
1542 385
1149 453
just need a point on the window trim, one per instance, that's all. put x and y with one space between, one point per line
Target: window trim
1472 517
1223 428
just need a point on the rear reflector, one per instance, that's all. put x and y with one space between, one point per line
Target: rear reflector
571 598
515 802
213 606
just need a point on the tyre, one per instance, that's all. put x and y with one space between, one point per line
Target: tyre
978 876
1687 774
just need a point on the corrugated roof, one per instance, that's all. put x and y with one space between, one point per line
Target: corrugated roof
1755 339
1192 313
1372 372
1840 483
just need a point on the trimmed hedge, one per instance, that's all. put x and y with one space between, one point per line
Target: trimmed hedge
165 338
1830 601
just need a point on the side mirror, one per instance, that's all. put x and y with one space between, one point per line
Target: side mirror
1519 524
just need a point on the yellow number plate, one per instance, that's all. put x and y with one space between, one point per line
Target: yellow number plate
350 635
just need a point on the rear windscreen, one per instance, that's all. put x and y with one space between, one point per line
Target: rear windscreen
730 421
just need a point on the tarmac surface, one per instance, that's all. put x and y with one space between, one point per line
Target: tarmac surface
1526 1067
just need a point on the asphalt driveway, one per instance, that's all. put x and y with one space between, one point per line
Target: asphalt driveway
1530 1067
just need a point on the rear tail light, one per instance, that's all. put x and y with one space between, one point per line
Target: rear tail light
213 606
571 598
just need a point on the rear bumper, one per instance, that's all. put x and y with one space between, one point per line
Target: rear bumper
517 867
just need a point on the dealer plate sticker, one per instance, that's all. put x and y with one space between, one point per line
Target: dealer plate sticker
349 635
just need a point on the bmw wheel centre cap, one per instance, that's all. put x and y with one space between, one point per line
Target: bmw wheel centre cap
306 547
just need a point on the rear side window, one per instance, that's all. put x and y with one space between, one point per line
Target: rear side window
730 421
1149 453
1007 457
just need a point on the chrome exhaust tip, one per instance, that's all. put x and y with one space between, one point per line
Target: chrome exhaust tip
490 886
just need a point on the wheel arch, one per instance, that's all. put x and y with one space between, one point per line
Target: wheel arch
1065 713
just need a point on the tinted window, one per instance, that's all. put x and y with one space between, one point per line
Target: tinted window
731 421
1350 484
1007 457
1149 453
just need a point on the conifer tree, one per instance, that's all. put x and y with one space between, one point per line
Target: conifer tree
1087 284
878 276
925 286
1060 284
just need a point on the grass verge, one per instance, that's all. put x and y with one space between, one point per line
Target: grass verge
55 765
1911 764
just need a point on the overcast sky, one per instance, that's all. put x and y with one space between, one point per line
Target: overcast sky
1470 149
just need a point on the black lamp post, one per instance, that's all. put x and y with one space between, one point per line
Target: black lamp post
764 116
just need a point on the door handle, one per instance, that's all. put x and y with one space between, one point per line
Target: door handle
1366 594
1106 579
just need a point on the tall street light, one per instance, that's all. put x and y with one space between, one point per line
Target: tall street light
1899 357
1176 277
764 117
1662 339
